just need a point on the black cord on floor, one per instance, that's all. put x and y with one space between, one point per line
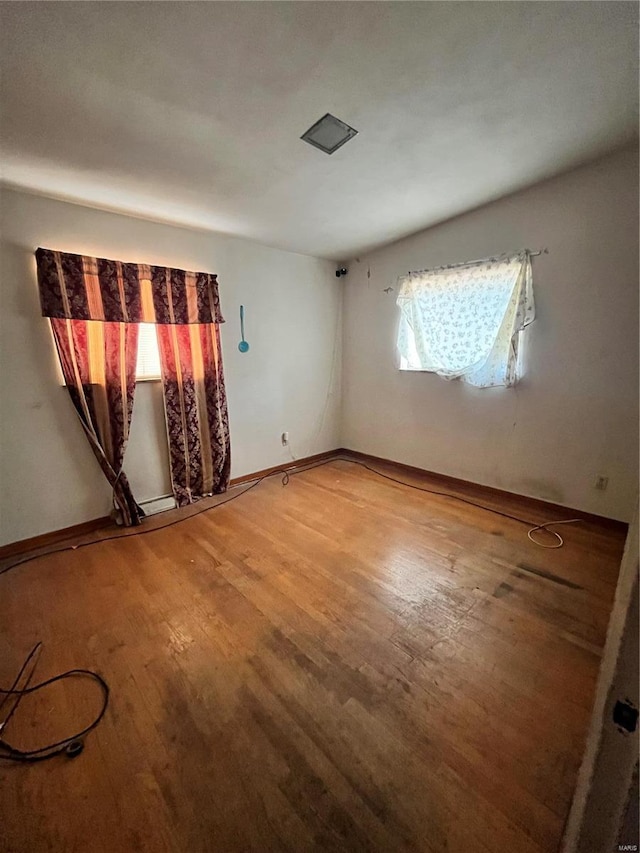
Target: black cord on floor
285 474
285 480
7 695
71 745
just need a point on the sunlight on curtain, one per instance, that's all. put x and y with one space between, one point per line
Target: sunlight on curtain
465 322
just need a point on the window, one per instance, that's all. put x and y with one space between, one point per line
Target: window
148 364
464 322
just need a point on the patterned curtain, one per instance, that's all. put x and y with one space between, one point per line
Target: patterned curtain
98 361
195 405
95 306
464 322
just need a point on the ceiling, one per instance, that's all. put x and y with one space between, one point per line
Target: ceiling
192 112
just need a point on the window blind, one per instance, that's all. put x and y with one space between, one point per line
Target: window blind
148 364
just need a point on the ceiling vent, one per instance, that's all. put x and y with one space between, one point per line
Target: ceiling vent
328 134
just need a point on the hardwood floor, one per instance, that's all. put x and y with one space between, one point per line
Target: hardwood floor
343 664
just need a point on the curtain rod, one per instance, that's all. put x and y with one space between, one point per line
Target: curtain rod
531 254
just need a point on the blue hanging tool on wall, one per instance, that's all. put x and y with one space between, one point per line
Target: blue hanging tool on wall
243 346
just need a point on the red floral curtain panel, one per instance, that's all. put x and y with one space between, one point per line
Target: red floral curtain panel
80 293
195 406
98 362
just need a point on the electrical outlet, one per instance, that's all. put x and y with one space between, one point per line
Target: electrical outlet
601 483
285 439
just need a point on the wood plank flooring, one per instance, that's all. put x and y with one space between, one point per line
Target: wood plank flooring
341 664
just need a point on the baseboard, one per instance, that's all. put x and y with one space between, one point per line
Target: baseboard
285 466
44 540
490 492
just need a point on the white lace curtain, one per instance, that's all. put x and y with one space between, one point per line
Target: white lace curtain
465 322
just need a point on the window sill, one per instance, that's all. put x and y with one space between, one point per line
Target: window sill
414 370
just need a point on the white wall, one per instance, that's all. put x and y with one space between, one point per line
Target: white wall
289 380
575 414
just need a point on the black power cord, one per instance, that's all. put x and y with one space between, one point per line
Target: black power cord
285 473
71 745
14 565
532 525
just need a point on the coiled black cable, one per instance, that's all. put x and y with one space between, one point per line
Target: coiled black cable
71 745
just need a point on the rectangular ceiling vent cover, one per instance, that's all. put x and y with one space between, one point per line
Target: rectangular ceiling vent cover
328 134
